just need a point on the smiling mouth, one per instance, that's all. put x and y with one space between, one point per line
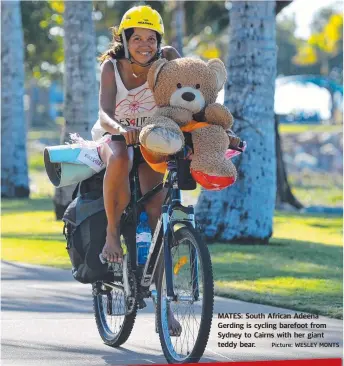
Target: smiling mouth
147 53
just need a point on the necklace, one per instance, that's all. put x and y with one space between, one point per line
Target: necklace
138 75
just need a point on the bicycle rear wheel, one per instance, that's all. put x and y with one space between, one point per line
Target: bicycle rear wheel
115 315
194 287
114 325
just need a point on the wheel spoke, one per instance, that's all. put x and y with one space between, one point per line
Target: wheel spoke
188 278
114 321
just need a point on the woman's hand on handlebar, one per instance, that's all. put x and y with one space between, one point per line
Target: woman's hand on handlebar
235 143
131 135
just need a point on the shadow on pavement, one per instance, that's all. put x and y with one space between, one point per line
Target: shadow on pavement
106 354
15 271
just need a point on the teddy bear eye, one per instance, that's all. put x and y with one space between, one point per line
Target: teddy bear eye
197 86
179 85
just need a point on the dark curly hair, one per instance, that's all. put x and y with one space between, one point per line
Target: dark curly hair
116 50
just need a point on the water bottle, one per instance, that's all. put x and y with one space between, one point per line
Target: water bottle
143 238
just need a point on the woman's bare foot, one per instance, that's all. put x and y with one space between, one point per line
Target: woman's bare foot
174 327
112 250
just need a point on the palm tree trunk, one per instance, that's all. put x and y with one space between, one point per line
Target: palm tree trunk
14 169
179 26
80 85
284 193
244 212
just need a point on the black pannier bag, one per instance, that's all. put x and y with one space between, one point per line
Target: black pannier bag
85 231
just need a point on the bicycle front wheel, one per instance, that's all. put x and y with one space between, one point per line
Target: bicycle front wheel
193 308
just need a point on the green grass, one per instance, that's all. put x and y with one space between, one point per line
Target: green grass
36 162
51 134
319 196
52 131
299 128
311 189
300 269
30 233
314 189
40 185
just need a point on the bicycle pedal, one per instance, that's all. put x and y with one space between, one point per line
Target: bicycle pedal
96 289
117 269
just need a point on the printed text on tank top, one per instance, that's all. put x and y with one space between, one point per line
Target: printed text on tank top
134 105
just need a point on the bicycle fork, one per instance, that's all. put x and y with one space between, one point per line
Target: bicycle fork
164 228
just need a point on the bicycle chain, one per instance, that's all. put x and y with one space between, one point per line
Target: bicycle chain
131 301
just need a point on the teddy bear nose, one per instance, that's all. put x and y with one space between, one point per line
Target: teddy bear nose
189 97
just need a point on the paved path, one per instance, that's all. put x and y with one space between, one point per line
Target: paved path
47 319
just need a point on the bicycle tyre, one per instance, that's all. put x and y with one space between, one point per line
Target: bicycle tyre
110 338
113 339
194 355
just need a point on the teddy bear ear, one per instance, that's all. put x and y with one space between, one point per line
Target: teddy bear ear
154 71
220 71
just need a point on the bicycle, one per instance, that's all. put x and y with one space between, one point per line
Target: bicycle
185 282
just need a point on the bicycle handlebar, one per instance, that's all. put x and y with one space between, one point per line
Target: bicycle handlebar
236 148
122 138
117 138
240 147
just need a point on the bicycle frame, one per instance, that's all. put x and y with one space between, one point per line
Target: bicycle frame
164 231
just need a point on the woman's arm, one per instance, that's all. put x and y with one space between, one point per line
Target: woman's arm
107 99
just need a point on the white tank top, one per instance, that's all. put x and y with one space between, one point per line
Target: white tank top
132 106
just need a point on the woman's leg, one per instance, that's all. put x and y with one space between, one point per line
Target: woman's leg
116 191
148 179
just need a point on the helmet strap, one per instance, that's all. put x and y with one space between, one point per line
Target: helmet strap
125 46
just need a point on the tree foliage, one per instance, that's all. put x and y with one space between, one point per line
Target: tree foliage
286 46
310 54
206 33
43 30
324 44
43 37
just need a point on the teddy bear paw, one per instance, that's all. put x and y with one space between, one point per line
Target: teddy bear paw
163 141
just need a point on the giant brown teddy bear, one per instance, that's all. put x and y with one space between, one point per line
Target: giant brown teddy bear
185 91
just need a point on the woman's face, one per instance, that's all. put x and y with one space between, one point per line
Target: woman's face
143 45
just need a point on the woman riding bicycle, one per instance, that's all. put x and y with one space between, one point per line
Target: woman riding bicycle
125 101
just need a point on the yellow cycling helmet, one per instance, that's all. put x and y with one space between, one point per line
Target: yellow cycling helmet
142 17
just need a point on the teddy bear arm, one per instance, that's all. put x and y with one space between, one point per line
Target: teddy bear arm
161 135
218 114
